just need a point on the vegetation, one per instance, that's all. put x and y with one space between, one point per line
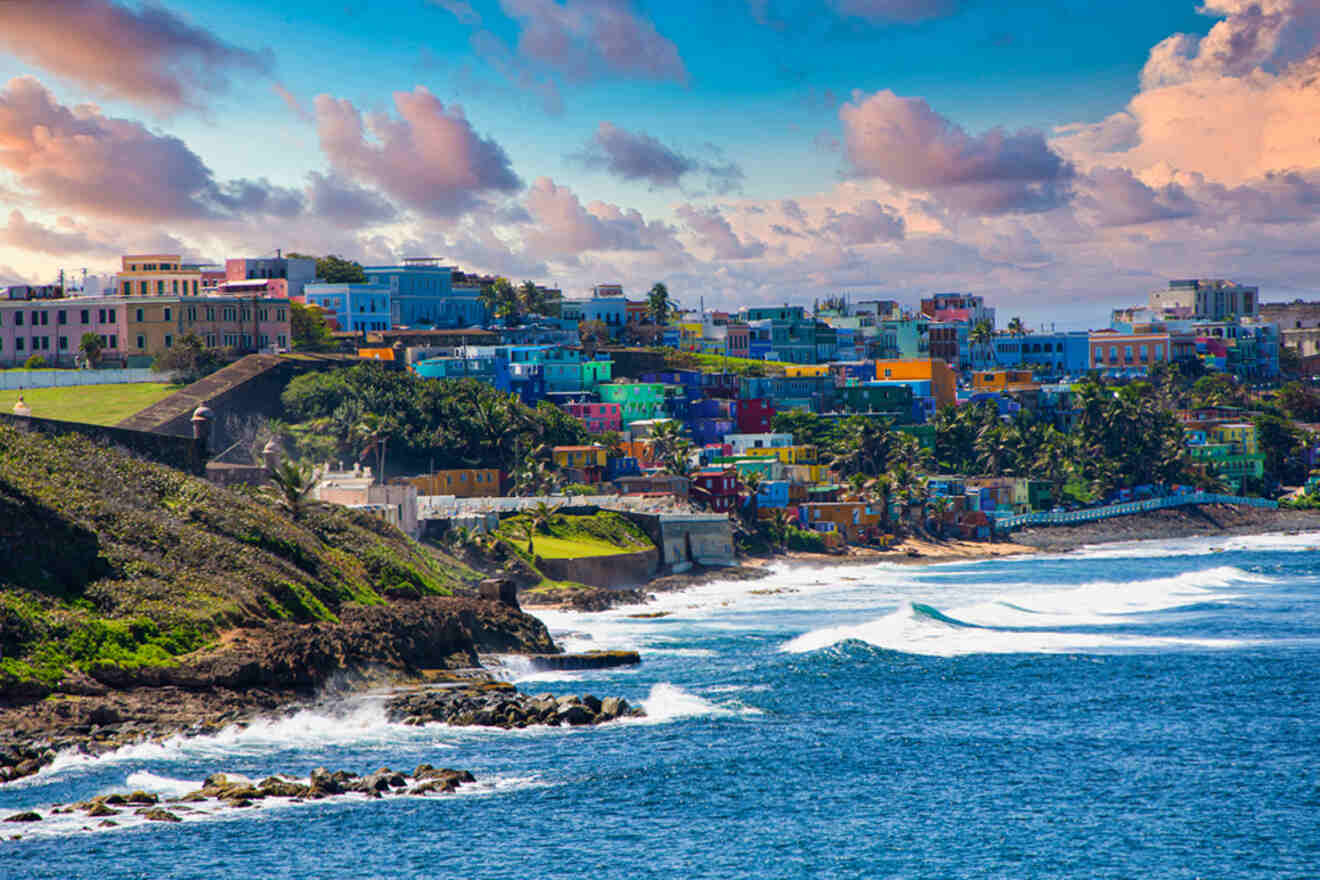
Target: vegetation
309 329
657 303
91 404
111 559
428 423
715 363
189 359
334 269
563 536
35 362
90 347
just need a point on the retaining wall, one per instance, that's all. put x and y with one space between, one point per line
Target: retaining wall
182 453
616 571
14 379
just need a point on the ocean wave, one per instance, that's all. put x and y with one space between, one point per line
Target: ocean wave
915 628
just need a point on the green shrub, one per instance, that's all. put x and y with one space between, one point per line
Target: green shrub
35 362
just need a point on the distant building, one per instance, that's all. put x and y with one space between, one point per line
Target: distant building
1211 299
158 275
354 308
296 272
423 294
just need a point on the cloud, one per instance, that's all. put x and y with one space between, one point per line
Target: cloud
1115 197
561 226
344 203
147 55
1254 35
895 10
905 142
713 231
428 158
590 39
291 101
26 235
637 156
77 159
460 9
868 223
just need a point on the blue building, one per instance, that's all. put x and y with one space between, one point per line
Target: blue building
422 294
1050 354
356 308
772 493
480 368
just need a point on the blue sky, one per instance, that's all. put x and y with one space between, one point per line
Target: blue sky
1059 159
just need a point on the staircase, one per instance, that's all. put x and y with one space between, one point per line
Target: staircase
179 406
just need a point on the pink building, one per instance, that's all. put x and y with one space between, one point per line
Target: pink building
597 417
54 328
738 340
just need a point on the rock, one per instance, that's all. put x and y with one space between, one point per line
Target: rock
28 816
575 714
101 810
141 797
117 799
502 590
588 660
323 783
435 785
612 707
107 823
159 814
237 803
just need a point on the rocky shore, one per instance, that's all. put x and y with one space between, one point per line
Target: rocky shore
499 704
1207 520
253 672
227 791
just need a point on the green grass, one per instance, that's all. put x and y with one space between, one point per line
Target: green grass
549 547
92 404
575 537
714 363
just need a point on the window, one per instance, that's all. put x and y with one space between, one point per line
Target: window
145 288
141 342
45 343
160 287
45 318
64 343
194 288
61 317
100 316
168 313
175 286
210 313
1113 353
114 341
169 341
18 343
137 315
128 288
84 316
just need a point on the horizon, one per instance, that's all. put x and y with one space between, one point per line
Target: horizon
1057 170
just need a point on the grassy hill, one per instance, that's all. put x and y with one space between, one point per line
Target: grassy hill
109 559
94 404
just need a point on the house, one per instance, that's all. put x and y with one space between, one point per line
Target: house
396 503
942 378
422 294
653 484
352 308
755 415
581 464
854 520
596 417
717 488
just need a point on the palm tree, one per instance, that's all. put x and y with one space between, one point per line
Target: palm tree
1016 327
670 447
981 335
530 299
290 487
751 484
884 489
939 506
857 482
908 451
374 433
778 526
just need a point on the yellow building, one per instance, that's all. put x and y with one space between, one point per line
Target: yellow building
242 323
461 483
690 334
942 377
376 354
803 454
1240 435
580 456
799 371
158 275
1004 380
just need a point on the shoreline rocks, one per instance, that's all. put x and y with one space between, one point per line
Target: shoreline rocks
499 704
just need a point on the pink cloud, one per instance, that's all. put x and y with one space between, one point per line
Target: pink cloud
291 101
27 235
79 159
588 39
428 157
869 222
906 143
715 232
148 55
561 226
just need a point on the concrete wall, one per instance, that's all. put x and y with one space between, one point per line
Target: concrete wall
687 539
176 452
11 379
616 571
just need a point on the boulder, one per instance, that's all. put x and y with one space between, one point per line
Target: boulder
98 810
159 814
28 816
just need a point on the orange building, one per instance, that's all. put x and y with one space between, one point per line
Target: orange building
943 378
1004 380
851 519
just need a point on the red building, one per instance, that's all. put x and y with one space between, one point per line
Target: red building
597 417
717 488
754 415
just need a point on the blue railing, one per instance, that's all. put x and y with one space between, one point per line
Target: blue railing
1091 514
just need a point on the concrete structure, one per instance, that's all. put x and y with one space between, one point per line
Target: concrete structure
938 373
422 294
1211 299
1136 353
460 483
395 503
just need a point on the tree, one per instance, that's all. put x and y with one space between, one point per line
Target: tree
1016 327
1217 389
334 269
981 335
374 432
670 447
188 360
35 362
501 300
290 487
593 335
91 348
1281 445
657 303
308 327
939 507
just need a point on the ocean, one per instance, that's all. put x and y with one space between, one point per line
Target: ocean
1144 710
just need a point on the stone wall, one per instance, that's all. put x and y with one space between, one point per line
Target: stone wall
181 453
615 571
685 540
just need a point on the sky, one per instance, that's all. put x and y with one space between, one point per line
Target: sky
1059 159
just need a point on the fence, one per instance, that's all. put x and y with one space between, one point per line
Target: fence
1092 514
14 379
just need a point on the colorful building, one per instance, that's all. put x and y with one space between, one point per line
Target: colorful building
942 377
461 483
